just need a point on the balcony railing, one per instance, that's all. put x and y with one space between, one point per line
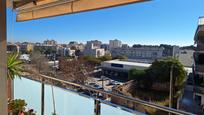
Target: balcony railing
200 47
199 89
73 102
199 68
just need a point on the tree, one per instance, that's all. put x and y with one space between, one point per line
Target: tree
159 73
92 60
78 53
14 68
105 58
135 74
41 62
159 70
137 46
121 57
141 79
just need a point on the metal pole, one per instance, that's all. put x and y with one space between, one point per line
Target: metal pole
102 78
42 96
170 90
42 92
53 96
97 107
53 99
3 59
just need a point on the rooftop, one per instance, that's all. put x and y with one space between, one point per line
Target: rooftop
188 69
128 63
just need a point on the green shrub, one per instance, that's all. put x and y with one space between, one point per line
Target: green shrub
135 74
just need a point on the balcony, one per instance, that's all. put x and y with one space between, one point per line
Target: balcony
72 102
200 48
199 89
199 35
199 69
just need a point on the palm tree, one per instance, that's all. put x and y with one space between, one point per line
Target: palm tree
14 68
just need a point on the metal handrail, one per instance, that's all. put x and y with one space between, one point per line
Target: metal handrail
139 101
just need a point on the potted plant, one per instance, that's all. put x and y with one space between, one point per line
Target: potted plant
17 106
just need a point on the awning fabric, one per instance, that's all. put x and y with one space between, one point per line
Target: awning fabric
35 9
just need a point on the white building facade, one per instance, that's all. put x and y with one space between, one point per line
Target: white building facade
115 44
139 53
93 50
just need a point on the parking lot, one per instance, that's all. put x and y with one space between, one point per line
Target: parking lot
102 83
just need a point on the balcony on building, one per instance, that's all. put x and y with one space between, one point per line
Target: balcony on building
199 35
199 62
201 21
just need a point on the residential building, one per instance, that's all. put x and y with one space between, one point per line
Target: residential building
69 52
93 44
125 46
115 44
73 45
199 64
26 47
60 50
105 46
170 51
50 42
93 50
12 48
144 52
186 57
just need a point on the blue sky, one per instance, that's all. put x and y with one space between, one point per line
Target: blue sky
151 23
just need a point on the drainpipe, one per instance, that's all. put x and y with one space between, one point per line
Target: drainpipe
3 59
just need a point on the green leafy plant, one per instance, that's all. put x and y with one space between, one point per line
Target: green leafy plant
16 106
54 113
13 66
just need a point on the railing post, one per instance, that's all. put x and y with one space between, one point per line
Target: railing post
97 107
3 59
42 96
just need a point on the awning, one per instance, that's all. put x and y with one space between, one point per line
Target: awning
35 9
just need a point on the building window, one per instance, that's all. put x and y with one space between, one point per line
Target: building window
117 65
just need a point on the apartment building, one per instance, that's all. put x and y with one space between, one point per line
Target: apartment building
199 64
50 42
144 52
26 47
115 44
12 48
92 49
